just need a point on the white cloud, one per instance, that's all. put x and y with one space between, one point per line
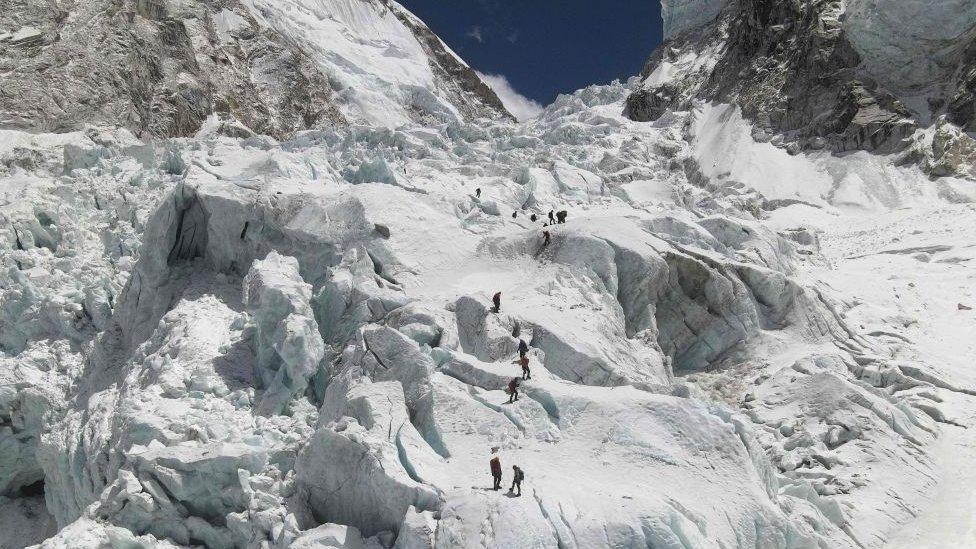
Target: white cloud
521 106
475 32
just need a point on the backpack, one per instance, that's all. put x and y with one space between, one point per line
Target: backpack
520 476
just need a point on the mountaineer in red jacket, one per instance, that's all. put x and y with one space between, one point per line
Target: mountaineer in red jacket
496 472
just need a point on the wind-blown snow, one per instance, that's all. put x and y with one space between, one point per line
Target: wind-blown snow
519 105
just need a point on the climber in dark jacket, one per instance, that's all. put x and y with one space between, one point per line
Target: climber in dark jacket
561 216
523 348
497 301
513 390
545 238
496 473
517 480
533 218
551 219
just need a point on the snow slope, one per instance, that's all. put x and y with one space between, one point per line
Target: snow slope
233 340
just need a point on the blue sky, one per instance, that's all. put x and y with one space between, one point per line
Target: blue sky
546 47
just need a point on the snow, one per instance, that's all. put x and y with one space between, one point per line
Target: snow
374 61
730 157
233 341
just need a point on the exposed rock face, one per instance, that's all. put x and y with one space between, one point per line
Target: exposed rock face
815 74
161 67
962 105
460 82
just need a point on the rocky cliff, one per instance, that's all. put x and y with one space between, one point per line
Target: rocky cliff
842 76
161 67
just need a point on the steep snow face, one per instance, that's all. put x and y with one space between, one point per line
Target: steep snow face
375 57
683 15
907 45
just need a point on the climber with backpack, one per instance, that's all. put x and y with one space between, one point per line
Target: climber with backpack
524 361
523 348
517 480
496 472
513 390
497 301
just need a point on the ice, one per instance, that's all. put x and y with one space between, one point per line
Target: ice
287 334
87 533
906 45
232 340
25 521
353 468
330 535
683 15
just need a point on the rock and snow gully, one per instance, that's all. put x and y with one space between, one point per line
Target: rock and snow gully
267 328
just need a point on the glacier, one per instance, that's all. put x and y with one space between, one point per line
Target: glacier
684 15
233 335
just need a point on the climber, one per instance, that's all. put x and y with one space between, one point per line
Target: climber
545 238
516 329
477 192
524 361
514 215
517 480
551 220
561 216
513 390
533 218
523 348
496 472
497 301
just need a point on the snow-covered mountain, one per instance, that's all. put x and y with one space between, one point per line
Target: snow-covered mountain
246 292
884 76
161 67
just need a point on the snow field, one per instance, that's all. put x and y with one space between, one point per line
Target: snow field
296 348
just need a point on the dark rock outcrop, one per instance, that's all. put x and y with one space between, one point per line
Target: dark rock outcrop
794 71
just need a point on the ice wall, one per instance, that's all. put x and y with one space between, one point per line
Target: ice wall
907 44
682 15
